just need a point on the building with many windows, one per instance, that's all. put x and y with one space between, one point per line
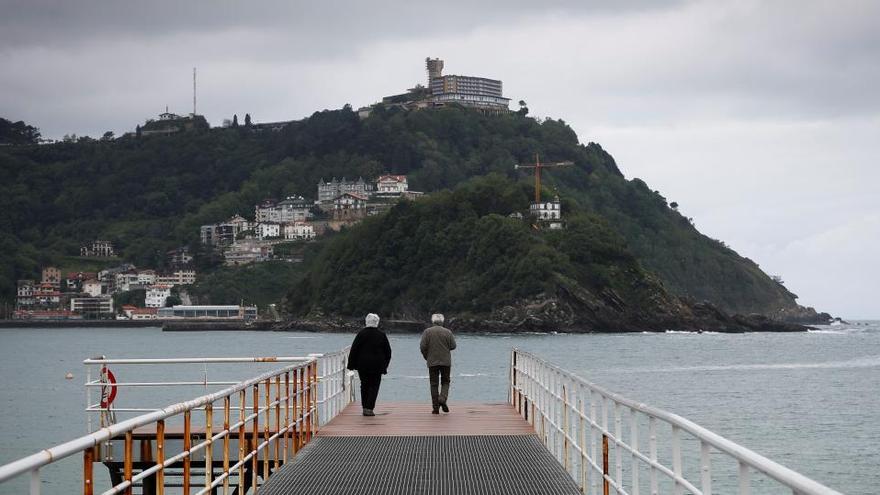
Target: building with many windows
328 191
93 308
548 213
208 312
157 295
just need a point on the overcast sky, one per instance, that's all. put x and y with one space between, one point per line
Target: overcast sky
760 118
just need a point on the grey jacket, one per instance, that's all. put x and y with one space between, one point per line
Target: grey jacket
435 346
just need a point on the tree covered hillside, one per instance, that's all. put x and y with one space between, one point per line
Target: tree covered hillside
148 195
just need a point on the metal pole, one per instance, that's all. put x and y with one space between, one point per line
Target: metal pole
209 466
160 456
605 486
187 446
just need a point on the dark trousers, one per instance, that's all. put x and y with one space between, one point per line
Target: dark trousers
369 388
439 375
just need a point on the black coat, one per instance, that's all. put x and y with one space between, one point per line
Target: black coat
370 352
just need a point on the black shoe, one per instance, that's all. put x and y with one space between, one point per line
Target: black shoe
444 407
369 412
435 411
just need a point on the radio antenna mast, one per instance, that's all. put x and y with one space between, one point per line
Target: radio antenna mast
194 91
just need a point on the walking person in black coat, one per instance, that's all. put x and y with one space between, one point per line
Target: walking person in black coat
370 355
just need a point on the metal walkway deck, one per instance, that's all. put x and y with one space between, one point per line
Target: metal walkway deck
477 448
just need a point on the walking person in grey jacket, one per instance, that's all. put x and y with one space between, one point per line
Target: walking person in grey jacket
436 344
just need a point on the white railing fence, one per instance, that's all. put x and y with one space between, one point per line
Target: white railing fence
611 444
241 433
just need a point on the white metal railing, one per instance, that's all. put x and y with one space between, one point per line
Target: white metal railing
278 413
587 427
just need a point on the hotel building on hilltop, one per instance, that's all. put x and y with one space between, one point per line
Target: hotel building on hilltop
474 92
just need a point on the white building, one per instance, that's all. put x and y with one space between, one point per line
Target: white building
549 212
349 206
179 277
157 295
146 277
299 231
327 191
391 184
93 307
93 287
268 230
246 251
292 209
126 281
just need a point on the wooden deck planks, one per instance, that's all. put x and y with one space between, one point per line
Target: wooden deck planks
415 419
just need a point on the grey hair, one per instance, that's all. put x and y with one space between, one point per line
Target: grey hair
372 320
437 319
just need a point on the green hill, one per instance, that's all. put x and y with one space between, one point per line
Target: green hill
150 194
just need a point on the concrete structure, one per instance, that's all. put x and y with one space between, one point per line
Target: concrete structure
24 296
52 276
477 92
93 308
102 249
157 295
328 191
208 312
246 251
178 277
292 209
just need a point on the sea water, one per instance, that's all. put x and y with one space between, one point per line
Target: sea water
810 401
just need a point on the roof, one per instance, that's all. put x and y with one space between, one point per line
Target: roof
129 307
208 307
144 311
396 178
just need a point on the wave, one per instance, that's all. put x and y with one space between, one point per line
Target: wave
862 362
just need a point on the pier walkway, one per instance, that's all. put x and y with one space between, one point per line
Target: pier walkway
295 429
404 449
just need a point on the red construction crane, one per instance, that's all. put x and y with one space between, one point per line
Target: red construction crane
538 166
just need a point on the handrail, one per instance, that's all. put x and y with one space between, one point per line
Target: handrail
307 401
564 409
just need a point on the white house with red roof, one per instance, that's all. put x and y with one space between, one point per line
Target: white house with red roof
391 184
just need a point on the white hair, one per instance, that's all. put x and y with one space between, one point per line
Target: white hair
372 320
437 319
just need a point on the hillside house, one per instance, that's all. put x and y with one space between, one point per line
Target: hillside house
94 287
178 277
391 184
349 207
299 231
52 276
102 249
328 191
157 295
246 251
548 213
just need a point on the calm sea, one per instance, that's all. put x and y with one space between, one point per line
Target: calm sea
810 401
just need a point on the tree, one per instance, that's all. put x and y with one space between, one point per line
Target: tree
108 136
172 300
18 132
674 205
137 131
523 109
247 120
235 120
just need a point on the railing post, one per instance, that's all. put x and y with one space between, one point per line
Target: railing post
266 457
255 435
277 420
676 460
35 482
744 481
705 469
634 443
652 452
209 468
286 415
605 486
187 445
160 457
618 433
127 461
226 410
242 400
88 478
594 440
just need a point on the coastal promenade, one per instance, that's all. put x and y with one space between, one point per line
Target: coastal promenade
476 448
